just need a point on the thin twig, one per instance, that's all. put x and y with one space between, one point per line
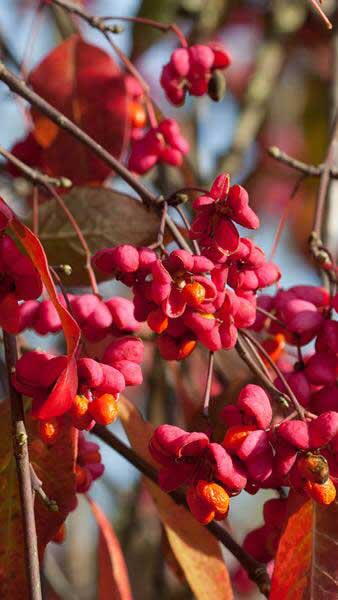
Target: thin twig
256 570
266 382
35 176
133 71
252 348
93 21
35 219
160 235
20 447
270 316
319 252
298 165
321 13
160 26
206 398
63 290
195 244
18 86
38 489
298 407
79 234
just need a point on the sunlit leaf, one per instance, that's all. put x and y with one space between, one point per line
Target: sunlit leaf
306 565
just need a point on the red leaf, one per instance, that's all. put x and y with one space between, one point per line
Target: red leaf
306 565
55 467
85 84
113 580
293 556
65 388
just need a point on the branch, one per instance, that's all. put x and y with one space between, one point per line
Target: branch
35 176
298 407
321 13
18 86
93 21
294 163
256 570
317 248
206 397
38 489
266 381
20 447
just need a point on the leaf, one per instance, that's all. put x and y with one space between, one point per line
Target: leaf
196 550
106 218
306 566
84 83
54 465
293 556
113 580
63 392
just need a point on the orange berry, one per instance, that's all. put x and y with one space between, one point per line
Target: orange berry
49 431
208 501
104 409
323 493
79 406
235 435
274 346
313 467
137 114
60 535
157 321
80 417
194 293
202 511
186 347
216 496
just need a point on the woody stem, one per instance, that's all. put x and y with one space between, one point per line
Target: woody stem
207 391
20 448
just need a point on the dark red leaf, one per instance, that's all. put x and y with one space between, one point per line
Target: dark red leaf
84 83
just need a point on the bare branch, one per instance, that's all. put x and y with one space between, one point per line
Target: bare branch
20 447
298 165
